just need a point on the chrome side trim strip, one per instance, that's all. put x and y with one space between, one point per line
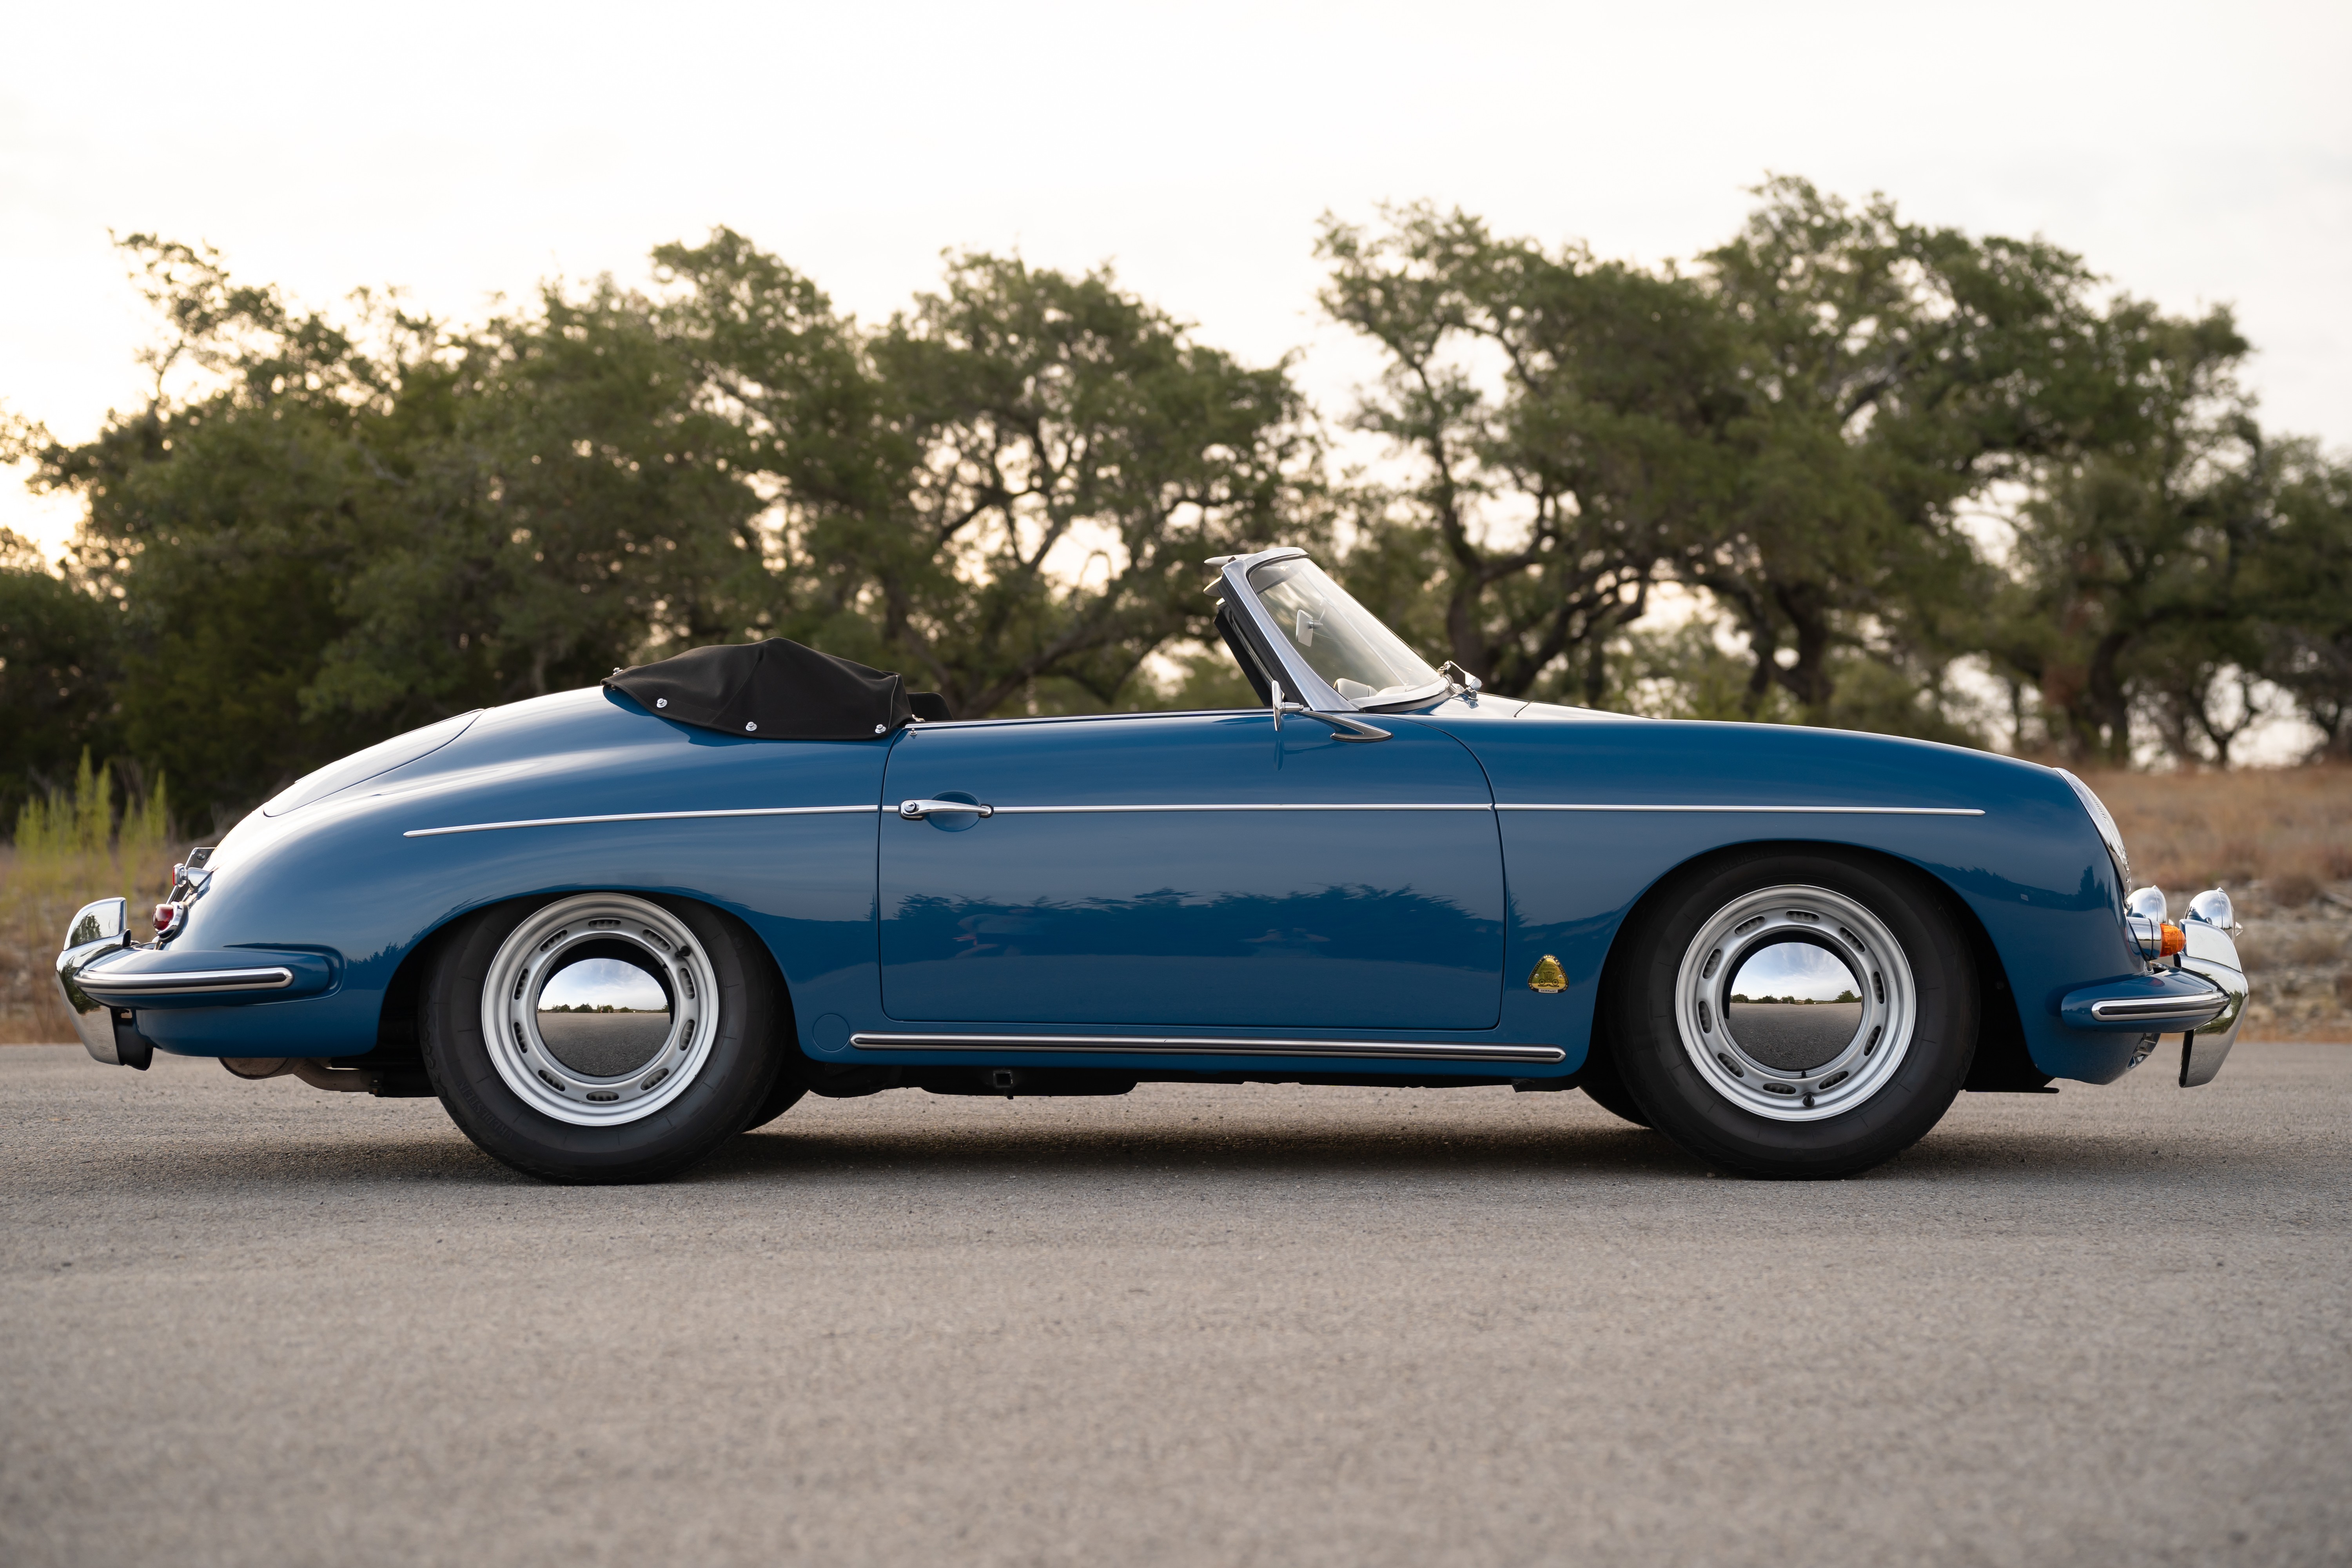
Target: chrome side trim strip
1190 805
1844 810
1246 806
640 817
1180 1045
2163 1009
100 984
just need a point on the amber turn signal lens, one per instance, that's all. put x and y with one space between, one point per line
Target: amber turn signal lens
2175 938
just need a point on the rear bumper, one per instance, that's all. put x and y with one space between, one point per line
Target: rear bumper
107 980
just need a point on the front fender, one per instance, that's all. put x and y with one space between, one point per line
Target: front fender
1654 797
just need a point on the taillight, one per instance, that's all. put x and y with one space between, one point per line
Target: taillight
166 916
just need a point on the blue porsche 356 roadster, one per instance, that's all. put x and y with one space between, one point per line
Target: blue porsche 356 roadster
612 929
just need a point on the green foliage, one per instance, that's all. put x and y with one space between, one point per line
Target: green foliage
2131 594
1077 458
1892 372
560 504
1685 672
337 532
77 823
1006 490
325 528
224 523
1792 428
58 672
1560 420
2302 581
1801 430
1206 677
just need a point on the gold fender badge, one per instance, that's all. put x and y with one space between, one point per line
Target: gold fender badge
1548 976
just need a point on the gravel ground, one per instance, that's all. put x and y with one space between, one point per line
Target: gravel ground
254 1324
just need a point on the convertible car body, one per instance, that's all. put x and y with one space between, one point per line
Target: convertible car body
610 937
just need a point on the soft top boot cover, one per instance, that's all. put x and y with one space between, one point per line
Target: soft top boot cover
774 690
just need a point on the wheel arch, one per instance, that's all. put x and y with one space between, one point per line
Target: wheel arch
396 1015
2001 1063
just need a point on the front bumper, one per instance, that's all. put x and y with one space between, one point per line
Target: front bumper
2202 994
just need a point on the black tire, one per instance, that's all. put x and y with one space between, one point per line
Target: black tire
735 1078
1908 1092
787 1093
1602 1084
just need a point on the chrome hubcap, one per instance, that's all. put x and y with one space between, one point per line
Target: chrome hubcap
1795 1003
600 1009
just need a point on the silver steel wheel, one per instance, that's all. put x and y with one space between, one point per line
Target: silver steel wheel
1795 1003
600 1009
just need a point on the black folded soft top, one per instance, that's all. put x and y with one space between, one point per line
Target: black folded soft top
776 690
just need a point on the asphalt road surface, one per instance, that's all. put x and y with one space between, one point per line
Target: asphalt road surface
256 1323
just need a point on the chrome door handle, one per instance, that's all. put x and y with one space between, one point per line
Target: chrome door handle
916 810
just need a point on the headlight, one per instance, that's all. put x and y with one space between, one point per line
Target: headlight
2106 824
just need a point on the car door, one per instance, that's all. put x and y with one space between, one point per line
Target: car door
1191 870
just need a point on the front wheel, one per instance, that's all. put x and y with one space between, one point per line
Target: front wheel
600 1037
1605 1087
1788 1014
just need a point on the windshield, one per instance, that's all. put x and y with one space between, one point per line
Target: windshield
1340 640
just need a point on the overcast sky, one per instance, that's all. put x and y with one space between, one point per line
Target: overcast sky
2194 152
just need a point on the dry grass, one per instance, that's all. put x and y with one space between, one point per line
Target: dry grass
36 902
2280 841
70 849
2288 828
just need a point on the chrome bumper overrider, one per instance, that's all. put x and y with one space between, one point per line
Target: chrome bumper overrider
98 928
2212 952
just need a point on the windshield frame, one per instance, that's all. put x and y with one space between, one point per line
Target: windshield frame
1299 680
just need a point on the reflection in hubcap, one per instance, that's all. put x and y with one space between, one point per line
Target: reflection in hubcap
1793 1005
603 1016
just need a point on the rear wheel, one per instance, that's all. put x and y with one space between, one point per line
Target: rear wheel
1792 1014
600 1037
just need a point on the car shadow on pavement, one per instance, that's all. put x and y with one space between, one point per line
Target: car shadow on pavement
1451 1151
1613 1153
1392 1148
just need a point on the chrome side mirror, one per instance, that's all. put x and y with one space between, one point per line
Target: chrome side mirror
1344 728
